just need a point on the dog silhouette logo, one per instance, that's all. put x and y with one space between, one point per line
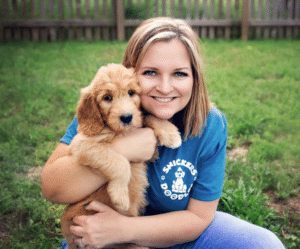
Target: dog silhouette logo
177 179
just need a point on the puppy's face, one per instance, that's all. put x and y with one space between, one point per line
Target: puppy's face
116 93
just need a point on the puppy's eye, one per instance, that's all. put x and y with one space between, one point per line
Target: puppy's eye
107 98
131 93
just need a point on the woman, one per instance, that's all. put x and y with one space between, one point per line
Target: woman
185 183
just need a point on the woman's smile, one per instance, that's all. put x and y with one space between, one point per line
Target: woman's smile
163 99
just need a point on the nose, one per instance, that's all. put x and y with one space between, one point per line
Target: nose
126 119
165 85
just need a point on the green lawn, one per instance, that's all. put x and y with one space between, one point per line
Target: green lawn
256 84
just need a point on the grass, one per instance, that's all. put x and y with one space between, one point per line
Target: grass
256 84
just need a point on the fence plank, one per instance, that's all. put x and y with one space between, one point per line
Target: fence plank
220 9
204 16
297 17
24 11
196 9
164 7
227 17
51 13
51 31
220 30
156 8
43 31
15 8
245 20
60 16
289 17
42 9
258 17
69 15
276 13
119 10
106 30
88 30
280 15
78 9
87 8
188 10
297 10
211 29
35 31
60 9
70 9
16 33
180 9
204 9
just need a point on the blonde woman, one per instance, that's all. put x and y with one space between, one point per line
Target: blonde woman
185 183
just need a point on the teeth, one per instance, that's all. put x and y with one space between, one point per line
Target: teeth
163 100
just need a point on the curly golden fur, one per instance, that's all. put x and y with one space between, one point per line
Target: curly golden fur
109 106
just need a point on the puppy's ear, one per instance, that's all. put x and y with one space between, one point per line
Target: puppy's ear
89 118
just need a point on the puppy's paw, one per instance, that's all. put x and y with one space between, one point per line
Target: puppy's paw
170 138
167 133
119 196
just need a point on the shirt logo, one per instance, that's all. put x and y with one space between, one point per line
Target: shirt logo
177 179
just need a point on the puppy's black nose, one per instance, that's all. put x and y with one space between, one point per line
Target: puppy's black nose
126 119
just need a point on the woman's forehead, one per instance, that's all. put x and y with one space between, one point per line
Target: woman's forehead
172 52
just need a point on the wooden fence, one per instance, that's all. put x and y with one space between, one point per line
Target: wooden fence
50 20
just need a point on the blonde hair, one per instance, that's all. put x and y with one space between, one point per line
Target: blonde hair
158 29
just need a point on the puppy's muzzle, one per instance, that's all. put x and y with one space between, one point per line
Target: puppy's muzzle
126 119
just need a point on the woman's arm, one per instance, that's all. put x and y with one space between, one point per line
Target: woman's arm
64 181
107 227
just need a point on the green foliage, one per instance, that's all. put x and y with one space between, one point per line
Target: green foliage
256 85
246 201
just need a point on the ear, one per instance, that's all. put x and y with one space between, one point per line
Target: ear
89 118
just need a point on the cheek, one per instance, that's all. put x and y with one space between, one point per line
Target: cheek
186 89
146 85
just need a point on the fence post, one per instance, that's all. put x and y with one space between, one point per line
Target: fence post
119 18
245 20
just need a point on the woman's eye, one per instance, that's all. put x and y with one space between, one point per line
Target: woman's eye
181 74
149 73
107 98
131 93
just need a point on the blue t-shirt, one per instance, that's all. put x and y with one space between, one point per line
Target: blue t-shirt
194 170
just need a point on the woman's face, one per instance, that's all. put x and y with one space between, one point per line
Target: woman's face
166 78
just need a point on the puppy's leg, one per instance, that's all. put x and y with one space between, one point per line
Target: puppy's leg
113 166
166 133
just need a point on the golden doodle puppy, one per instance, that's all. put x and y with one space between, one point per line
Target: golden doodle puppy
107 108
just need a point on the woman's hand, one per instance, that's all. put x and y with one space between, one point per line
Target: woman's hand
103 229
137 145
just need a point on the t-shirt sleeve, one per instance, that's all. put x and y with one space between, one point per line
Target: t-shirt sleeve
211 159
70 132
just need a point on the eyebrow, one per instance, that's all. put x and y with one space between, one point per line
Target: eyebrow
155 68
183 68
